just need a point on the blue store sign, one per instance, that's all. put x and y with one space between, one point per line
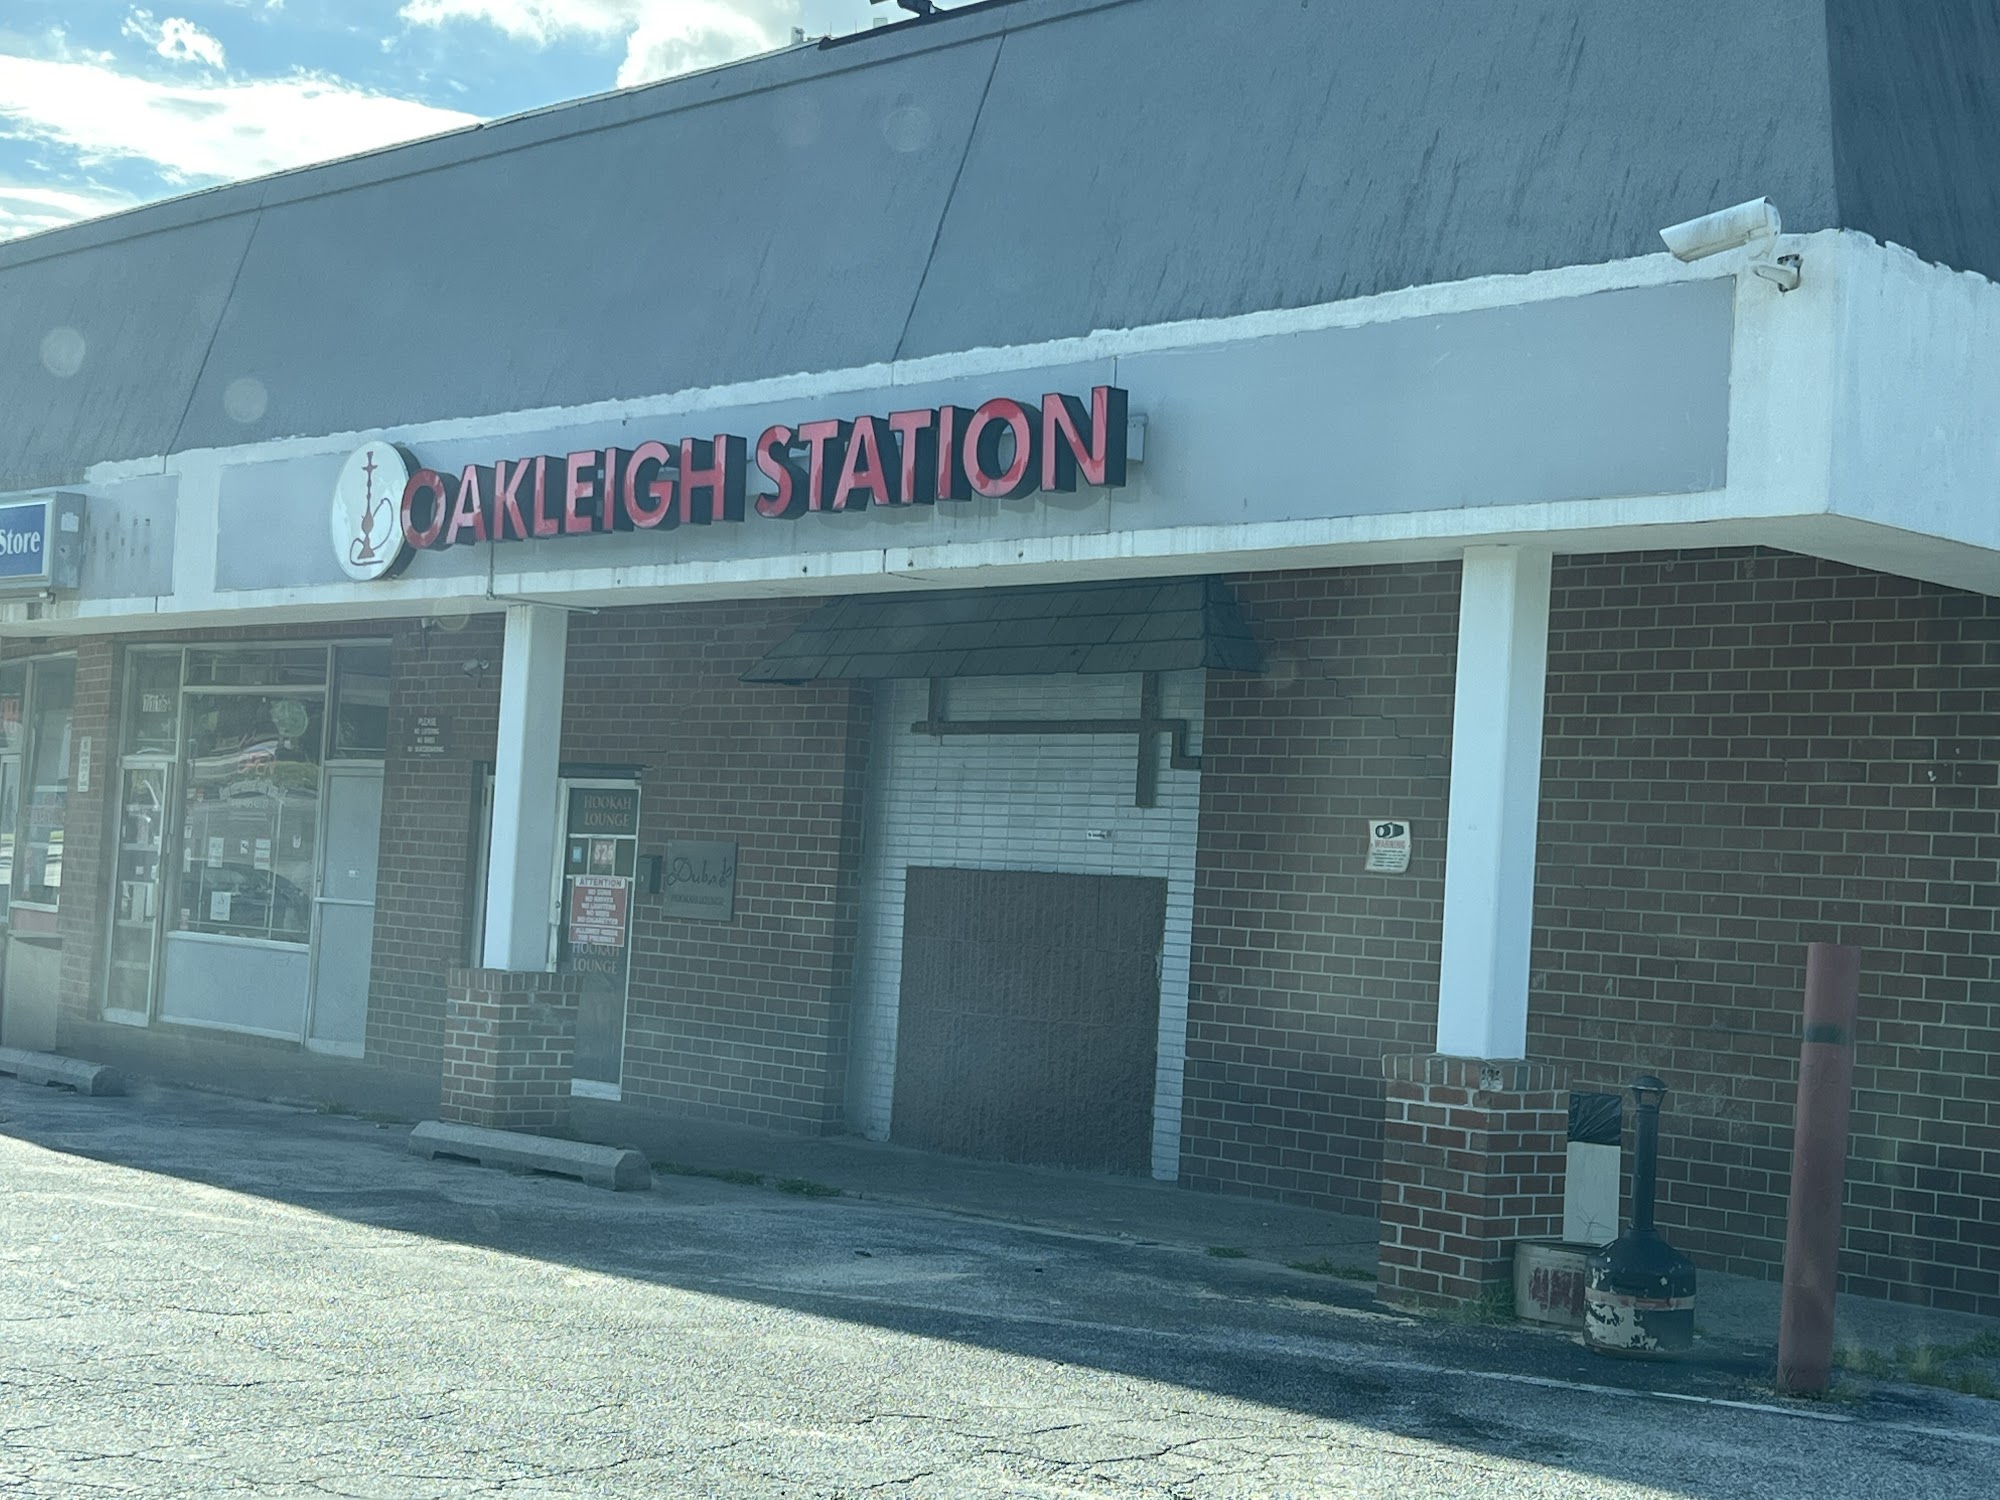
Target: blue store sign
41 542
24 541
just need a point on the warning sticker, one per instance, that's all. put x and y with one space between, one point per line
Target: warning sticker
1388 846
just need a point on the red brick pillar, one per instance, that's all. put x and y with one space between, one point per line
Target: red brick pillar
1473 1155
509 1049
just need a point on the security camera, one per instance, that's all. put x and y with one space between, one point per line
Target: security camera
474 666
1756 223
1725 229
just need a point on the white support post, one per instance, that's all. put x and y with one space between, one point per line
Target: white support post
1496 779
521 869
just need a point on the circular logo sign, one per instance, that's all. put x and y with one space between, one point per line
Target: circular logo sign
366 516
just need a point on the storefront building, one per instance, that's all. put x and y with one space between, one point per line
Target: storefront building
1011 604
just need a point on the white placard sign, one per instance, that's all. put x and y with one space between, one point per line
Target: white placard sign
1388 846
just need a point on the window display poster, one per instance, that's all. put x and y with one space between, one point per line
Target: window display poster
219 903
261 858
215 850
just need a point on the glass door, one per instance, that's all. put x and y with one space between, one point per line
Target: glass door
594 934
344 909
29 998
135 892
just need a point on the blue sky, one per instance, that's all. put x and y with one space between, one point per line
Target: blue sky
104 105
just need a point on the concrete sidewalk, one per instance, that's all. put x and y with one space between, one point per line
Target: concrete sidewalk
1134 1208
1737 1317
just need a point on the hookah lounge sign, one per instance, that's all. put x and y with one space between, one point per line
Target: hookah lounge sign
386 508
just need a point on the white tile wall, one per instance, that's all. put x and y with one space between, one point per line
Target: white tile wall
1022 802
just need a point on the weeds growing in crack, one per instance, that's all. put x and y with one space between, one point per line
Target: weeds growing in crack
1326 1266
1949 1367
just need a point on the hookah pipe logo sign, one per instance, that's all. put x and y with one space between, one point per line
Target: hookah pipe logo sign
366 529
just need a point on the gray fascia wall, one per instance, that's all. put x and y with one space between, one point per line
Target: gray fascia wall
1022 172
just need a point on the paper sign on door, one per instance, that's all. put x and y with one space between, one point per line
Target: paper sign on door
598 909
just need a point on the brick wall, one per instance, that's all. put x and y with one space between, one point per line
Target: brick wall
1747 752
745 1020
429 805
509 1046
1473 1160
1307 971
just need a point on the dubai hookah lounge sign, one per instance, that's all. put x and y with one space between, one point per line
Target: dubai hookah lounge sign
386 507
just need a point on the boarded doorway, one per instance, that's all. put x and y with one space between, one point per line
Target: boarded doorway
1029 1016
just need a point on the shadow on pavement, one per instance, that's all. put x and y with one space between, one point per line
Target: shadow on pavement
1241 1328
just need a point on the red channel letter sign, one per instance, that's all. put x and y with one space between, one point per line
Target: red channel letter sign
1003 450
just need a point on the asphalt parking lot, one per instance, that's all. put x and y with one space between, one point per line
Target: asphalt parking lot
203 1295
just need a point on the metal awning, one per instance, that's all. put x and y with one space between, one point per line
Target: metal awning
1152 625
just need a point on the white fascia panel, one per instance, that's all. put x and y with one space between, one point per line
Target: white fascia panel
1875 362
1915 437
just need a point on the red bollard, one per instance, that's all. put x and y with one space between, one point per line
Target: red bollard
1819 1170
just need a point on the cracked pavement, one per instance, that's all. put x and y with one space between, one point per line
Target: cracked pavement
206 1296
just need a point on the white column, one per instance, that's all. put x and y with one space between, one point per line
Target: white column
1496 778
521 870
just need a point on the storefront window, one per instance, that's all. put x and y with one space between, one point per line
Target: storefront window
251 812
265 666
361 702
38 856
153 702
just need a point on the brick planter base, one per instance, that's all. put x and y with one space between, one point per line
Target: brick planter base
1472 1160
509 1049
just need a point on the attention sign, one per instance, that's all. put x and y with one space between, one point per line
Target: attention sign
1004 450
599 906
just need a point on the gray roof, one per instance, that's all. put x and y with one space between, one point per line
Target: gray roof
1151 625
1010 173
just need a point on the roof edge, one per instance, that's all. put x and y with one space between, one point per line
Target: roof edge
529 128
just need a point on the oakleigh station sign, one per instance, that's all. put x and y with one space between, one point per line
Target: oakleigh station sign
1002 450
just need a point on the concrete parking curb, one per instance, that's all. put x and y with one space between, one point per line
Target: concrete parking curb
599 1166
94 1079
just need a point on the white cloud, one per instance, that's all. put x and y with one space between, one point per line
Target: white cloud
203 132
183 41
175 39
30 208
699 33
662 37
